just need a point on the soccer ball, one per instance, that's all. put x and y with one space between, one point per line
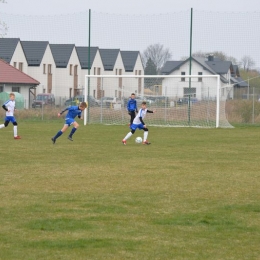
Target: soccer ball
138 140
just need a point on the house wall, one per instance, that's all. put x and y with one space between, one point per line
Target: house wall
111 86
134 85
96 65
24 91
63 80
19 57
38 72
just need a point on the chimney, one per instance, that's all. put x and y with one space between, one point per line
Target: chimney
211 57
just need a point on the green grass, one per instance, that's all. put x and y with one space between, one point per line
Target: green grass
192 194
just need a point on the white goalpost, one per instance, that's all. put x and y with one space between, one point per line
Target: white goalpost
179 100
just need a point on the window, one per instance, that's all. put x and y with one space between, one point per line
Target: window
94 70
44 68
189 92
20 66
116 71
49 69
15 64
16 89
182 73
200 79
71 69
1 88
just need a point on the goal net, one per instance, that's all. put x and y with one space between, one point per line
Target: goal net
179 100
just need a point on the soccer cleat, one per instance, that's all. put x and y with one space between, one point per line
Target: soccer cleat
124 142
70 138
146 142
53 140
17 137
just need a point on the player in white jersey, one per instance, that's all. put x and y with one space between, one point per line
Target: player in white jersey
139 123
9 107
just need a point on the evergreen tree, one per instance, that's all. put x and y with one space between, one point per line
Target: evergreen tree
150 68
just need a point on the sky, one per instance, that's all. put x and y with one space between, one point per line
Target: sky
49 7
229 26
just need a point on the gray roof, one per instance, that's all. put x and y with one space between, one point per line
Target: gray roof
220 67
83 56
34 51
109 57
170 66
7 48
61 54
238 82
129 59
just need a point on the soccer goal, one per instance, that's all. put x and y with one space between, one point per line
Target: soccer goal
179 100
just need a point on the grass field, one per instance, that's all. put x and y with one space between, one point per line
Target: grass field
192 194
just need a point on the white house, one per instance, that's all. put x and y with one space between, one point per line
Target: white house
133 66
41 65
67 70
201 88
96 68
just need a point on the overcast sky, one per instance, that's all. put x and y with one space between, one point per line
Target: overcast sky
229 26
125 7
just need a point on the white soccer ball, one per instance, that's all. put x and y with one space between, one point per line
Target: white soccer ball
138 140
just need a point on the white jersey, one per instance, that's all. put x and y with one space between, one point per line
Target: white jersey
141 113
10 105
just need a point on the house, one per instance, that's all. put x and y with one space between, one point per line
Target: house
67 72
14 80
11 51
95 68
40 64
200 88
113 65
133 65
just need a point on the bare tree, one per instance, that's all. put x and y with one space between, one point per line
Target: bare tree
3 26
247 63
158 54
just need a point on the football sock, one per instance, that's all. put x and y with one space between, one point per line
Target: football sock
58 135
145 135
73 130
15 130
128 135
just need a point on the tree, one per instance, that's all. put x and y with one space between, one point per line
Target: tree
3 26
247 63
150 68
158 54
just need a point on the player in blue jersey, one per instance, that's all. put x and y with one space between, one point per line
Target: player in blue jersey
73 111
138 123
9 107
132 107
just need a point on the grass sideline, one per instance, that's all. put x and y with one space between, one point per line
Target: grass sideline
192 194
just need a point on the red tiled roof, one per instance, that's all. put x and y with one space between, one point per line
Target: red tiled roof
9 74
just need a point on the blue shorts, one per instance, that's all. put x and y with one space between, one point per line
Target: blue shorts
139 126
69 121
10 119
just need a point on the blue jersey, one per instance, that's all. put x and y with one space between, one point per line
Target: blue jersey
73 111
131 105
